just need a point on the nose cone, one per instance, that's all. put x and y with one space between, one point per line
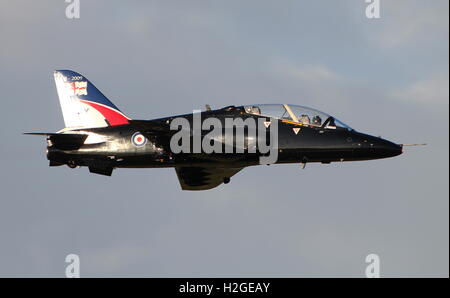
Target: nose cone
384 148
369 147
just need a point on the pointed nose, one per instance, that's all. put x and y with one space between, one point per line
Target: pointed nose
384 148
370 147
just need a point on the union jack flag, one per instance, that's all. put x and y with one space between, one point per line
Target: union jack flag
77 88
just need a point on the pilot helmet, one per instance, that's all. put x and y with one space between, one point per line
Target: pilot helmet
317 120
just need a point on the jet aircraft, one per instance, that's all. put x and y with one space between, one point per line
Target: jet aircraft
99 136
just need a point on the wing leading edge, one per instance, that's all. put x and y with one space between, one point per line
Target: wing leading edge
202 178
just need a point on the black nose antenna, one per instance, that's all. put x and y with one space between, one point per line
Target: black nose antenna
413 145
410 145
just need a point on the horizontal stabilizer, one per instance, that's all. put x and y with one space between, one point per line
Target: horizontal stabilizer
63 141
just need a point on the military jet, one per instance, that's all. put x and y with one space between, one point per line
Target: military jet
206 148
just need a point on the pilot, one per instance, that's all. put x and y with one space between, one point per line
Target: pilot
304 119
317 120
256 110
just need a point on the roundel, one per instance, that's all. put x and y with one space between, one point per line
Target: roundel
138 139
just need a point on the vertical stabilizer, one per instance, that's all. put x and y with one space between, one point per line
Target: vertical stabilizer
83 105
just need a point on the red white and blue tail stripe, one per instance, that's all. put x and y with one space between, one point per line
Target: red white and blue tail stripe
83 105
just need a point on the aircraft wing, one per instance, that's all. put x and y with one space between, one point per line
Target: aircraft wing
199 178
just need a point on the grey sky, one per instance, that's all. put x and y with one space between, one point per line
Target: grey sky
386 77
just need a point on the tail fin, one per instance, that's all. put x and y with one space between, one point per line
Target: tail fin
83 105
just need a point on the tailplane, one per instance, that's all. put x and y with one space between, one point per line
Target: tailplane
63 141
83 105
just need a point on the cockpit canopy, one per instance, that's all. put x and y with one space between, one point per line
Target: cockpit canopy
299 114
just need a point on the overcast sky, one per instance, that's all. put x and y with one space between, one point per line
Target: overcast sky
386 77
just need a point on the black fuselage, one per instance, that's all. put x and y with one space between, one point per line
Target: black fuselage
307 144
